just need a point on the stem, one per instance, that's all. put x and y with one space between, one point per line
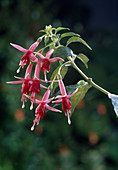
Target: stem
89 80
59 71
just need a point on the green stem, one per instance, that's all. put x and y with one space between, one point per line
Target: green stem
89 80
59 71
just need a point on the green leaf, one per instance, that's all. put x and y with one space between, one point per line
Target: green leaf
83 58
62 52
67 34
79 95
61 28
63 72
77 39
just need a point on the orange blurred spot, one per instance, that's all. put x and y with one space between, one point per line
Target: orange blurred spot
93 138
101 109
81 104
64 149
19 115
38 130
39 97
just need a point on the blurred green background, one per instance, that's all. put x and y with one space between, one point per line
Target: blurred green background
91 141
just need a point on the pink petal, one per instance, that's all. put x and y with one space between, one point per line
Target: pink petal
72 94
14 82
49 100
23 79
55 59
19 78
57 101
48 81
40 55
33 46
34 100
33 57
62 88
46 95
19 47
52 109
37 69
49 53
43 86
38 101
28 70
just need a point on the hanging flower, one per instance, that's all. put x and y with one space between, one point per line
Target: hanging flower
26 81
40 110
28 54
64 98
35 86
46 61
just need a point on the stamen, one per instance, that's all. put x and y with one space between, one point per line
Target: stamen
31 107
32 128
23 105
69 121
45 75
18 69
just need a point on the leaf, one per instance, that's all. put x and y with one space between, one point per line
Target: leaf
62 52
69 34
61 28
79 95
77 39
83 58
54 77
114 99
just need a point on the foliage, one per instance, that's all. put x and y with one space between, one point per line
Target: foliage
91 141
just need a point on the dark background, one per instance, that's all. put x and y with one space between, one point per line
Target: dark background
91 141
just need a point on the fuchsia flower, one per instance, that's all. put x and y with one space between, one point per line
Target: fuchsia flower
40 110
46 61
35 86
35 83
64 98
28 54
25 83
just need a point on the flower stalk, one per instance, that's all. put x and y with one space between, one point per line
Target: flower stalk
89 80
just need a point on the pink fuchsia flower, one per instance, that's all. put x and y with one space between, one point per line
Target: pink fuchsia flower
40 110
25 83
64 98
35 86
46 61
28 54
